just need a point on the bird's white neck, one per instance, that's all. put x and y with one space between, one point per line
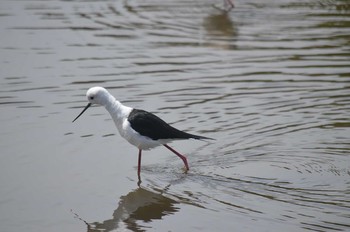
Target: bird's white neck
116 109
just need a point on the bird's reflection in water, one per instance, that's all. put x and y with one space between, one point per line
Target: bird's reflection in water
220 31
137 206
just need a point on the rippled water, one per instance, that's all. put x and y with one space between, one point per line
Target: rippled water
269 80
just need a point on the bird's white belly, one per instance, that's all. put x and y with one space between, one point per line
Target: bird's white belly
133 137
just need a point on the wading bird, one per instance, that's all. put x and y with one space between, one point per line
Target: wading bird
142 129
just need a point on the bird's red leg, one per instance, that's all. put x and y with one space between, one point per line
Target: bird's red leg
139 164
179 155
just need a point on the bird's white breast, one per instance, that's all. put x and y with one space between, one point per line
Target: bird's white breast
133 137
120 114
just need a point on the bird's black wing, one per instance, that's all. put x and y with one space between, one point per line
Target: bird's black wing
148 124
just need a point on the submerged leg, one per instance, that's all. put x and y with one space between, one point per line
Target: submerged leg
139 164
179 155
230 4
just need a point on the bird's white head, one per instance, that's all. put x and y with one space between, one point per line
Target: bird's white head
97 95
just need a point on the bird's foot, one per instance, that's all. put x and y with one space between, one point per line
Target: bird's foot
139 181
185 170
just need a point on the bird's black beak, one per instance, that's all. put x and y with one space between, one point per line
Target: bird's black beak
86 107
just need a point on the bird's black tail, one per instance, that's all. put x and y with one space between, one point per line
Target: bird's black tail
198 137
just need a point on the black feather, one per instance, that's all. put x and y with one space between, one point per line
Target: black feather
148 124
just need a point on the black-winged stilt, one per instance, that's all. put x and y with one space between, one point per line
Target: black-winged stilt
140 128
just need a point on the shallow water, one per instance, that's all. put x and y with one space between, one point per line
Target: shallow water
268 80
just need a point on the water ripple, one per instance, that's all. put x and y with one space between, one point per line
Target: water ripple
268 80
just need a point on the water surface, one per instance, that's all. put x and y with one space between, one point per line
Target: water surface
268 80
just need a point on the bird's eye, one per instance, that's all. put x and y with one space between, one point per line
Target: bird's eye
91 98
